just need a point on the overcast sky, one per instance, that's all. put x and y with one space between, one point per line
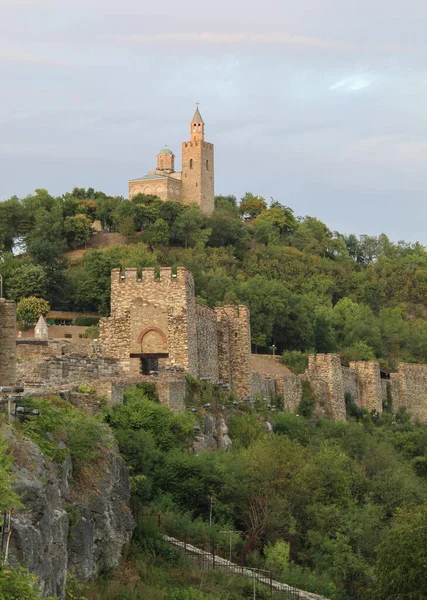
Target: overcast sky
320 104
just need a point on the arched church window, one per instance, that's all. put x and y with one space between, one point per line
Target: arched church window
191 163
200 127
195 127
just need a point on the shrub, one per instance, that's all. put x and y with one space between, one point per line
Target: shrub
84 388
30 309
17 584
245 429
296 360
68 335
86 321
190 594
277 556
293 426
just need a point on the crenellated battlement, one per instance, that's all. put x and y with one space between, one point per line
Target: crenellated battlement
150 275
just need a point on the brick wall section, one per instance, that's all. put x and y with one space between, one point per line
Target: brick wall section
240 348
7 342
369 385
207 343
325 376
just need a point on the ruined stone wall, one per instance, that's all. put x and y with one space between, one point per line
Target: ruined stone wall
349 378
207 343
411 383
71 369
325 376
263 386
223 336
369 385
292 391
240 348
7 342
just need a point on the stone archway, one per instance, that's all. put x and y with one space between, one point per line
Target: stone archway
153 340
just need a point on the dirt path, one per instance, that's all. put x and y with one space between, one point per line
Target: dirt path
265 364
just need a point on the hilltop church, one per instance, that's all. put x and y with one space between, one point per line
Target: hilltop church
194 184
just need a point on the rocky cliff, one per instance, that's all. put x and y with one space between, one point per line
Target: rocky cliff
66 526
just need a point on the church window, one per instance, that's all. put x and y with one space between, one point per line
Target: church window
207 165
191 163
195 127
200 127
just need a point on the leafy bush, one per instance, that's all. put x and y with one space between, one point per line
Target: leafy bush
296 360
244 429
30 309
277 556
189 594
84 388
84 436
293 426
86 321
18 584
137 412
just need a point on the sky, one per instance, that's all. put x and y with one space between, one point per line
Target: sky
319 104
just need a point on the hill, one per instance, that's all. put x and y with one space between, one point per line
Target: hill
308 288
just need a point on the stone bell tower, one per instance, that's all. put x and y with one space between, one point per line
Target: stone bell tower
198 167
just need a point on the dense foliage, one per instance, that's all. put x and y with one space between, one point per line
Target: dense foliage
308 288
328 506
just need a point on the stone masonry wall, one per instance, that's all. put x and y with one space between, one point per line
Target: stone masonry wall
162 307
207 343
325 376
223 336
369 385
263 386
7 342
349 378
240 348
411 385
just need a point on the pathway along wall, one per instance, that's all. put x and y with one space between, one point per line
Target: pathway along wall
7 342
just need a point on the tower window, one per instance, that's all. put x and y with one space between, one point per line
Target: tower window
191 163
207 165
195 127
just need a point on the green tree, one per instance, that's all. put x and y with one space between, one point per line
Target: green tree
401 568
77 229
190 226
252 206
27 280
128 230
30 309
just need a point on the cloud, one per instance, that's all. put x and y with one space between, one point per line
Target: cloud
8 57
240 38
353 83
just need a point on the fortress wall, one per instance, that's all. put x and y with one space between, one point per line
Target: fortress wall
349 377
369 385
325 376
240 348
263 386
411 383
223 336
207 343
292 391
7 342
140 301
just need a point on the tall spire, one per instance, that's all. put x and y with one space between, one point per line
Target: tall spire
197 117
197 126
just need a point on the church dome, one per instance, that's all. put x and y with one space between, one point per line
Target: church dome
165 151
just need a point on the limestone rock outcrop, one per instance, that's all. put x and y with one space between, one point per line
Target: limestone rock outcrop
63 527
